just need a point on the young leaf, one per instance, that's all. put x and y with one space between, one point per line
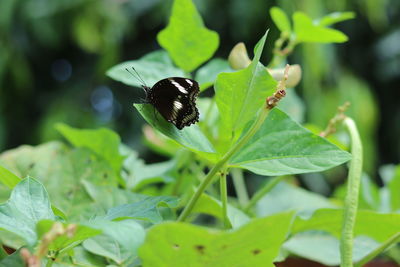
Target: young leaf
190 137
103 142
280 19
65 242
207 74
308 32
240 95
335 18
152 67
282 146
8 178
186 39
119 241
179 244
28 204
146 209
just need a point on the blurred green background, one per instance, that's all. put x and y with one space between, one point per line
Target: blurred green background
54 55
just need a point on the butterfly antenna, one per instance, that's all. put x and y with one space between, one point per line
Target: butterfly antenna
140 77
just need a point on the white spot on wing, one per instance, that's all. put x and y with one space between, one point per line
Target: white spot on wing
189 82
180 87
177 105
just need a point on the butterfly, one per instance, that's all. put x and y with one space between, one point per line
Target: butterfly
174 98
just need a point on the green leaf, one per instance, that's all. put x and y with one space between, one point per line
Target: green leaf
308 32
63 243
209 205
324 248
28 204
152 67
181 244
190 137
145 209
8 178
378 226
119 241
103 142
240 95
54 164
280 19
207 74
186 39
285 197
393 187
335 18
282 146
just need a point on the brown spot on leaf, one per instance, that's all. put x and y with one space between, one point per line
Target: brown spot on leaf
176 246
256 251
200 248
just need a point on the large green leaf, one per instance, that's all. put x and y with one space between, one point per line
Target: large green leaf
66 241
13 260
186 39
190 137
28 204
379 226
151 68
54 165
282 146
179 244
240 95
147 209
119 241
103 142
307 31
280 19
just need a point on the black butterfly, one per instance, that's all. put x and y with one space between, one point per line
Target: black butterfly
175 99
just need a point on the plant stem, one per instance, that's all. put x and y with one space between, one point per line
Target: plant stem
351 201
240 186
222 163
262 192
392 240
224 199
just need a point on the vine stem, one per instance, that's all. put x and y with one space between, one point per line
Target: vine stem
240 186
351 200
221 164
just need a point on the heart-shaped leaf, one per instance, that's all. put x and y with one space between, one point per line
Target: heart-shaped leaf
186 39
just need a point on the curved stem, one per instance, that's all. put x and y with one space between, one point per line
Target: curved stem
351 201
262 192
222 163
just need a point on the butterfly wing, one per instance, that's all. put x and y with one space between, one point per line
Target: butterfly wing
175 99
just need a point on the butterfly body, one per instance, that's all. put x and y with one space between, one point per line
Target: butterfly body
175 99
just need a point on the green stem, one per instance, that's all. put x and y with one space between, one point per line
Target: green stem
222 163
351 201
392 240
49 263
240 186
224 199
262 192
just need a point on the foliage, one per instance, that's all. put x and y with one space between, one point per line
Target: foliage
95 202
